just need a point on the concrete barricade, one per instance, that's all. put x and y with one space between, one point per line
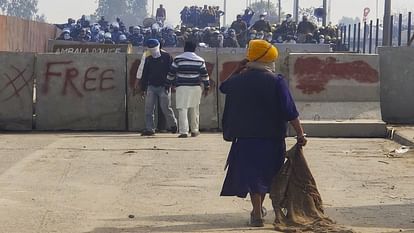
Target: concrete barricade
397 84
209 118
227 63
334 77
81 92
335 86
135 102
16 90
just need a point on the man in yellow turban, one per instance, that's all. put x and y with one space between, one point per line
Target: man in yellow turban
258 107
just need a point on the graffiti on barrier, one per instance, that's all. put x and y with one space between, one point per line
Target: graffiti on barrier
313 73
17 80
93 79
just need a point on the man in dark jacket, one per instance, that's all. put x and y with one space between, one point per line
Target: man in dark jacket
240 27
154 78
262 25
304 28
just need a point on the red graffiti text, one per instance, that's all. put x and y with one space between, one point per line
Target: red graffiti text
313 74
94 78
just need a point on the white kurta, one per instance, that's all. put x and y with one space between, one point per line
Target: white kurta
188 96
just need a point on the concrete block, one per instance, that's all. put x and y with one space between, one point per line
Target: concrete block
397 82
81 92
334 77
403 135
16 90
344 129
209 116
135 104
339 110
226 65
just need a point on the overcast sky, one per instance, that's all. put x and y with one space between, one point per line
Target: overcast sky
57 11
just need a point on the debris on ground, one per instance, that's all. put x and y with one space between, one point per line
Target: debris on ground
400 152
130 152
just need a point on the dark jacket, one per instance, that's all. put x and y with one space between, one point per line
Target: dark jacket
155 71
262 25
258 105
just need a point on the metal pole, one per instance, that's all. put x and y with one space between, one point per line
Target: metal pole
409 27
370 36
153 8
359 38
364 45
225 13
268 6
344 31
280 10
329 11
296 10
391 30
325 8
355 31
377 34
349 37
399 29
387 24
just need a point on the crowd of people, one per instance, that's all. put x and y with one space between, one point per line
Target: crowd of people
201 26
201 17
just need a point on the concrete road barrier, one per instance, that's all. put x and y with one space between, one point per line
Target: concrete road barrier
16 90
334 77
209 118
81 92
135 102
397 84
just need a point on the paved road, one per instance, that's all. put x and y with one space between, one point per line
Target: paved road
83 182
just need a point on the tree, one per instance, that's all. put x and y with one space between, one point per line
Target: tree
265 7
132 12
26 9
310 12
348 20
3 6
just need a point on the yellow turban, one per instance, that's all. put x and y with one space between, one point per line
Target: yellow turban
262 51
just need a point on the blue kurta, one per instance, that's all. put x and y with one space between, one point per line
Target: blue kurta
253 162
258 107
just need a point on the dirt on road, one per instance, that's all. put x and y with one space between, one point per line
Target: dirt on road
121 182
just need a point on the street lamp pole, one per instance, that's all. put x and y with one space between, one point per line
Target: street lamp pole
279 8
386 40
325 9
153 6
225 12
296 10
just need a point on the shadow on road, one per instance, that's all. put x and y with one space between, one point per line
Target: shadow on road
231 222
379 216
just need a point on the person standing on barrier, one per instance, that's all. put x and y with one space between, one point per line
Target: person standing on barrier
240 28
161 14
187 73
152 85
258 107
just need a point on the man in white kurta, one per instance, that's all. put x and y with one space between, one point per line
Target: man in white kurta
189 75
